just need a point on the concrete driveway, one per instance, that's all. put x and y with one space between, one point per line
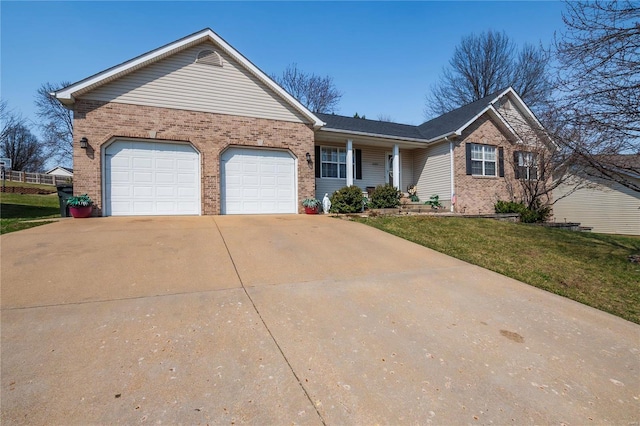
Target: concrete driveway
291 320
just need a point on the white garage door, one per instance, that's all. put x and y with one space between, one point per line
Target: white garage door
151 178
256 181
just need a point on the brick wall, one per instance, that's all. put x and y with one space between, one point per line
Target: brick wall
478 194
209 133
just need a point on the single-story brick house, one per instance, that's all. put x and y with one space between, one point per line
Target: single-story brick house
194 127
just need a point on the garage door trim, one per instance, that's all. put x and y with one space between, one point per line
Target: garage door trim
114 139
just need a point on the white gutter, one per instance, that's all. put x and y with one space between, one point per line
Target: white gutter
391 137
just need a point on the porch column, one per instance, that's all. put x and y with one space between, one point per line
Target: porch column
396 166
349 162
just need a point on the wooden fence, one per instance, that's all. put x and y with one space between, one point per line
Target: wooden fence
39 178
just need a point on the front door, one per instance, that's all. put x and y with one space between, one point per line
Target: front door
388 168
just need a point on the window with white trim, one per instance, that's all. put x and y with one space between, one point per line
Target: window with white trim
333 162
483 160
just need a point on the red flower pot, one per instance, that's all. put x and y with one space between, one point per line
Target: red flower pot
311 210
80 212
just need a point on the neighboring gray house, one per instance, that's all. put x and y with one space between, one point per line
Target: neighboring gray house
604 206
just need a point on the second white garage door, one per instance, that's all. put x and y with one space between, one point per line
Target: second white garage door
257 181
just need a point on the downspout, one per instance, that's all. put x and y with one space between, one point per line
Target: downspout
452 174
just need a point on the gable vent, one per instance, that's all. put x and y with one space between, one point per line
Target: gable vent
209 57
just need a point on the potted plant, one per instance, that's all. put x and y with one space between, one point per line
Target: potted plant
80 206
311 205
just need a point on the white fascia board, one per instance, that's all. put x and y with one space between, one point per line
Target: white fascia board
66 95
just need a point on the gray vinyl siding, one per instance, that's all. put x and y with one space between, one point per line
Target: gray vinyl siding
432 172
328 186
614 210
406 175
177 82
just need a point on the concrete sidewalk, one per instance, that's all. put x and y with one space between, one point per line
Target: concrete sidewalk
291 319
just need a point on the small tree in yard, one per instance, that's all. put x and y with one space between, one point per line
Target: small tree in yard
539 166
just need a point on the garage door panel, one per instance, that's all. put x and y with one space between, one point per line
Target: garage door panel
165 164
185 164
143 191
142 163
147 178
165 178
186 192
119 177
252 181
121 191
119 162
185 178
166 191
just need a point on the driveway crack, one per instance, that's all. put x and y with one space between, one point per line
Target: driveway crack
267 327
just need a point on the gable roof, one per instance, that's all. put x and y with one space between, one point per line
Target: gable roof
457 120
450 124
68 94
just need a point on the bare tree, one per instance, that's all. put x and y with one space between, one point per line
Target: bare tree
57 123
385 117
598 105
20 145
8 119
317 93
482 65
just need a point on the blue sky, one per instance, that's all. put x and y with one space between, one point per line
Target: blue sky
383 56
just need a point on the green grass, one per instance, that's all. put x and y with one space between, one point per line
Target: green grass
590 268
22 211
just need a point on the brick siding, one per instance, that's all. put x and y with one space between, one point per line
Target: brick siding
478 194
101 122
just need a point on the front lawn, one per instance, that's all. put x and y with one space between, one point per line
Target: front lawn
590 268
21 211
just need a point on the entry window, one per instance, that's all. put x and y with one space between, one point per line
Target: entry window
333 162
483 160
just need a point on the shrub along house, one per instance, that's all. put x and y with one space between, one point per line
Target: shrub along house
194 127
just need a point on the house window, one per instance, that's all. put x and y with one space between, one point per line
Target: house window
526 165
331 162
483 160
334 162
